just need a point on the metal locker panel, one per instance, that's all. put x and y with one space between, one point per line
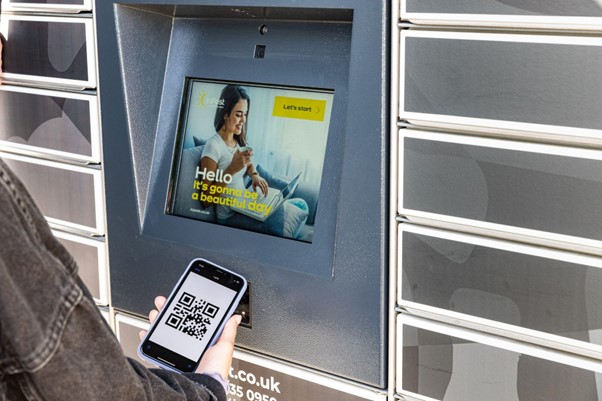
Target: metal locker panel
577 8
531 83
447 363
60 124
49 51
90 255
542 191
514 284
538 14
65 6
67 195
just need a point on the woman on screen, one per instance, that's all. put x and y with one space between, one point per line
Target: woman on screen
226 158
223 164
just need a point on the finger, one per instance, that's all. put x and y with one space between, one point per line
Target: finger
218 358
153 315
142 334
228 336
160 302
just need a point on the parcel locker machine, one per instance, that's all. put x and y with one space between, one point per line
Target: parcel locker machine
316 74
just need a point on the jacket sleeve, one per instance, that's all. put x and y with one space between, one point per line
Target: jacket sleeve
192 386
54 343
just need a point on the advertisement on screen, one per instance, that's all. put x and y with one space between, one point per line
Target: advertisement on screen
251 156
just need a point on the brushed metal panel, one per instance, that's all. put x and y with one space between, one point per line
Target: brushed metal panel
517 288
62 194
91 261
492 77
49 121
450 368
586 8
49 50
525 189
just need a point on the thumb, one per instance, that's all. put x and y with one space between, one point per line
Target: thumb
228 335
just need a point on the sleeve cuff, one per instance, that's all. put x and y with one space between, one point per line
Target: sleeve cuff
213 381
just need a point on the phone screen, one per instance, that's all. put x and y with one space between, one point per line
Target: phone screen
192 318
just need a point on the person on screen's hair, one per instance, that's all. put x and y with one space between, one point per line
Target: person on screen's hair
231 95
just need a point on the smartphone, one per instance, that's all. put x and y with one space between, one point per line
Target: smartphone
193 317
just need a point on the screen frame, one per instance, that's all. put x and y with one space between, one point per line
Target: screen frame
185 103
315 258
170 359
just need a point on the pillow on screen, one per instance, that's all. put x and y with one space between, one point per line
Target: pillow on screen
288 221
296 212
198 141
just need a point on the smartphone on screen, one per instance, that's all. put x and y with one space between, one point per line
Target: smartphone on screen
193 317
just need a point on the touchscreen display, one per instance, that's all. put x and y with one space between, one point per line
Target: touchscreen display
251 156
193 316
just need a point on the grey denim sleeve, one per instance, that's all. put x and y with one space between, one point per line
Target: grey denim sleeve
54 344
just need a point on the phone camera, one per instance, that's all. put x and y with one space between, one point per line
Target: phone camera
148 346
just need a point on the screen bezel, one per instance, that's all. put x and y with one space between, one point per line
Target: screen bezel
186 98
316 258
163 355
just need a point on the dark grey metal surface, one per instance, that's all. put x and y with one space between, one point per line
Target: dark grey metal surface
51 122
295 55
533 292
312 303
552 84
452 369
564 8
556 194
250 381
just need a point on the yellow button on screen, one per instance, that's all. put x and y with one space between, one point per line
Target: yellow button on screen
296 107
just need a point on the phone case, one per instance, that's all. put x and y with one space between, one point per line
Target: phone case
228 315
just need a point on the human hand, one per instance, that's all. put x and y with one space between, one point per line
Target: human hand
259 181
218 358
159 304
240 160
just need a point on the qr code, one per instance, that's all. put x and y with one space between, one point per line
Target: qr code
192 316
